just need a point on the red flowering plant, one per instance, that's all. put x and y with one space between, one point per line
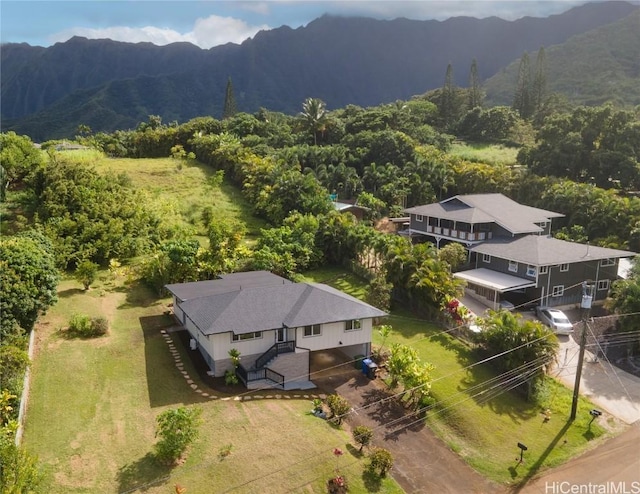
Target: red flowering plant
337 484
456 311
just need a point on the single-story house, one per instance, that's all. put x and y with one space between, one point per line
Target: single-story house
274 323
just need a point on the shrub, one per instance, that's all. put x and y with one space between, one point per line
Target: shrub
86 273
86 327
177 429
362 435
339 406
381 461
230 377
80 324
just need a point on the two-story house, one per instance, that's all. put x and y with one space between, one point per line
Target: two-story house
512 251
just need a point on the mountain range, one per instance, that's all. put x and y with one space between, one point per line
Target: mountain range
108 85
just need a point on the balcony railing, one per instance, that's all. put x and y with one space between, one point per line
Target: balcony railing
274 351
247 376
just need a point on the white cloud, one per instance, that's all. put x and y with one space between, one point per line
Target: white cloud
444 9
210 31
215 30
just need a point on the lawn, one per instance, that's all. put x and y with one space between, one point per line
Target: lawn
180 189
492 154
481 423
93 403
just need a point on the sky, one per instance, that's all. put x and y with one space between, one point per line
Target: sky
212 22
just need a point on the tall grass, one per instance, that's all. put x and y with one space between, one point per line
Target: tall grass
491 154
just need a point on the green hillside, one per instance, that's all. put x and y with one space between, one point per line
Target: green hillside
602 65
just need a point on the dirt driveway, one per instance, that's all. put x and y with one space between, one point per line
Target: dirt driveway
423 463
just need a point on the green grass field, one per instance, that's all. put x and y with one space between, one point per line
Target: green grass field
491 154
481 424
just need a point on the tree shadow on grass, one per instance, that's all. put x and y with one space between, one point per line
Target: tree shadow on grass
371 480
142 474
70 292
139 295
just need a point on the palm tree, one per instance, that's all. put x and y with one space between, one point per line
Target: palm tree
314 114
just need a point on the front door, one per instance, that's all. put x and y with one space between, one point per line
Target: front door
281 335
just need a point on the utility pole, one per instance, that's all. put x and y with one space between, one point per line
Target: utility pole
587 297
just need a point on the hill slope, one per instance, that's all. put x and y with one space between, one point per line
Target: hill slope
48 92
602 65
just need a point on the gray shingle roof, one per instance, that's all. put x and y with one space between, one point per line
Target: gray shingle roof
262 308
539 250
488 208
226 283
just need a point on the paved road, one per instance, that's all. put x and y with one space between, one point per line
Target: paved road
615 464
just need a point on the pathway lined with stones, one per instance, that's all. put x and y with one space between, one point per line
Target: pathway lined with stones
180 366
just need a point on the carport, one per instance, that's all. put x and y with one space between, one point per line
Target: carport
494 281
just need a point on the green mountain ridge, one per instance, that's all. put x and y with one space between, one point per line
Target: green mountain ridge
108 85
600 66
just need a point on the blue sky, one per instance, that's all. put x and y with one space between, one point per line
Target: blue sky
210 23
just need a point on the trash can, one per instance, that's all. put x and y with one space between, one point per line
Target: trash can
365 365
372 367
358 361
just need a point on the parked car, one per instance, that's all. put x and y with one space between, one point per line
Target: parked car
506 305
555 319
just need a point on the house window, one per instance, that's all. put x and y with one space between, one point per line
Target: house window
247 336
419 217
558 291
352 325
486 258
564 268
607 262
531 270
313 330
513 266
544 269
603 284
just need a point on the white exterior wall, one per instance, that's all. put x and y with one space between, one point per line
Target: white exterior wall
177 311
222 344
332 334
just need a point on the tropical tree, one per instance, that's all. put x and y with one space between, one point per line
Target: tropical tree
381 461
522 99
28 281
339 407
524 344
314 116
230 108
624 298
453 254
448 103
177 429
86 273
18 158
362 435
475 91
539 88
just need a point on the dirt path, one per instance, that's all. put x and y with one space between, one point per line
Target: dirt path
423 463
